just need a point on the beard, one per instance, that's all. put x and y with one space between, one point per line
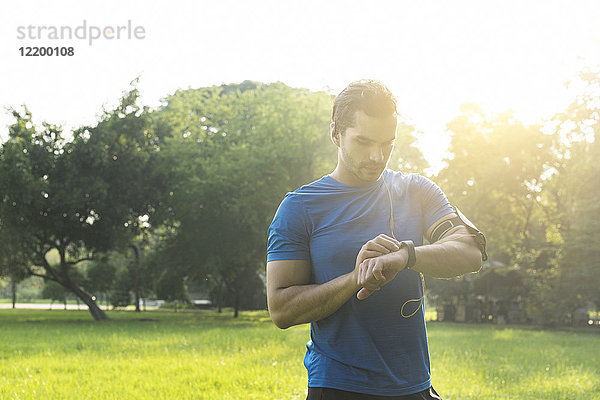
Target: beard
363 171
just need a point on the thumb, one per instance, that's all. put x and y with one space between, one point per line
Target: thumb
364 293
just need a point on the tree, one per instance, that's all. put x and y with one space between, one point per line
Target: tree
54 292
12 262
571 198
496 177
120 295
170 287
101 276
238 150
406 156
83 196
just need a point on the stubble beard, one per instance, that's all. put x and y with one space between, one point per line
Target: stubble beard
364 172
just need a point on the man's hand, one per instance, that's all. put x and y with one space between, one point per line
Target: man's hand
376 272
374 265
375 247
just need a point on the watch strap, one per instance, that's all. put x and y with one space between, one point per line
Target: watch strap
412 258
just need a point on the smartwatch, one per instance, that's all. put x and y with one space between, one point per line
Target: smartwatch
412 258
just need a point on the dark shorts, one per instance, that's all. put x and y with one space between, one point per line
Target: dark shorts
317 393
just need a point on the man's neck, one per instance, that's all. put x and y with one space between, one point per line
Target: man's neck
346 178
337 176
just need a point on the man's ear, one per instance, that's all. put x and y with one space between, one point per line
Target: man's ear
335 136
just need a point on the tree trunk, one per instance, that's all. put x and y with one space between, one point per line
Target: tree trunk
220 298
66 282
237 304
96 311
137 299
13 287
136 278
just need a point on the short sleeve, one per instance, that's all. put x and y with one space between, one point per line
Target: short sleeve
287 234
434 204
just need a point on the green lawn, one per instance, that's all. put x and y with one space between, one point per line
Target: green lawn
203 355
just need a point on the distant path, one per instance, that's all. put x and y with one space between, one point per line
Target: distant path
56 306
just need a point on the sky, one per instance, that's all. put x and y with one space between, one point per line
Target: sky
434 55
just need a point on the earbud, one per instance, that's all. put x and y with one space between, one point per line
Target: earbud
334 135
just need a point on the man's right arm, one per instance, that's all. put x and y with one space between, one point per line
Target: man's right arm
293 300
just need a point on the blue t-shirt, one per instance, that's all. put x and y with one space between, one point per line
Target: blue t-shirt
366 346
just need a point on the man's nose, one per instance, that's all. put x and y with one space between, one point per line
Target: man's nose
376 154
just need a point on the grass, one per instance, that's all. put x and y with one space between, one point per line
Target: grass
204 355
492 362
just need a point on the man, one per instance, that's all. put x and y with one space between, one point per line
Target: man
340 255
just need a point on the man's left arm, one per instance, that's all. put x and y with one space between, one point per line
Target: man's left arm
456 253
453 250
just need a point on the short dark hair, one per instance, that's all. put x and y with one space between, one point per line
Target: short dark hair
371 97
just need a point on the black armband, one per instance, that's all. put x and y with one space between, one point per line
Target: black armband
443 227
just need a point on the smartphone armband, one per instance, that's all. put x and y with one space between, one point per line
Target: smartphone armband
444 226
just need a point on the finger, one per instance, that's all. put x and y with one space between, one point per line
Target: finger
364 293
362 271
381 246
366 278
389 238
387 242
378 272
374 266
371 284
365 254
371 277
381 243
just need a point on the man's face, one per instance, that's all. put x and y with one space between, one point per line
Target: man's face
365 148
